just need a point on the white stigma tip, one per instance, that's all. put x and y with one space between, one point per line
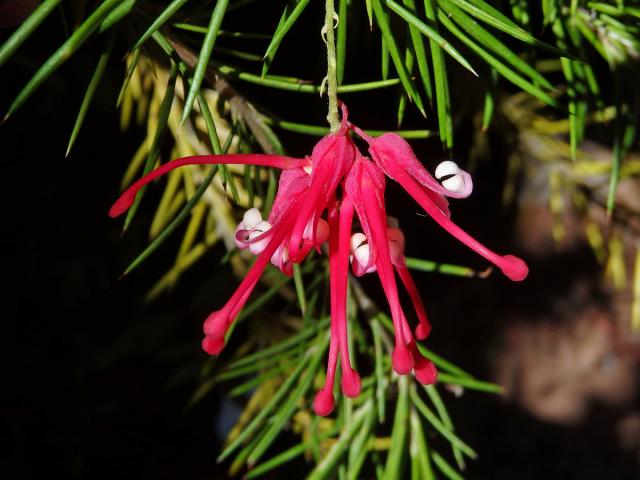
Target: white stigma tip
447 168
454 184
357 239
251 218
362 254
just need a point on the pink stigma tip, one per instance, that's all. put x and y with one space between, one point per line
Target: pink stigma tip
402 361
323 403
423 331
212 345
514 268
427 373
121 205
351 385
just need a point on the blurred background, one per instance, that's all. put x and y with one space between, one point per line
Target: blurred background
98 382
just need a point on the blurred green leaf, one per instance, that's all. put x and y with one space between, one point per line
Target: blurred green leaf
281 30
158 138
91 90
430 33
443 101
390 42
66 50
159 21
24 31
204 56
397 451
327 466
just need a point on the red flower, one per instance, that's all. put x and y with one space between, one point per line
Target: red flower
338 181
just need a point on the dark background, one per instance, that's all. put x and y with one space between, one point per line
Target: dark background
96 383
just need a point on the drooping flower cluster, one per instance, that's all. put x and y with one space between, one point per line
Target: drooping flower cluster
316 201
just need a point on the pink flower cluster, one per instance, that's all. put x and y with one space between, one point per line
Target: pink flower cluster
316 201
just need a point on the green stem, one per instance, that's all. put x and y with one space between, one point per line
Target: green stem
332 79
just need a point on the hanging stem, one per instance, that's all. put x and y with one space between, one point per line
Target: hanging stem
332 81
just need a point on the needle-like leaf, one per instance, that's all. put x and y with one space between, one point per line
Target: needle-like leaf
505 71
204 56
281 30
397 452
398 62
159 21
341 40
66 50
91 90
432 34
158 138
327 466
25 30
443 100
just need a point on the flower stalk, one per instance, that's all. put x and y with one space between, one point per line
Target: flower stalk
332 70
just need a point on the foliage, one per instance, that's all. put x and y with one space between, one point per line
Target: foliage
572 65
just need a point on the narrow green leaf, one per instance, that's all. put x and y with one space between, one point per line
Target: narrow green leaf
431 33
341 40
397 451
290 342
390 42
66 50
402 103
433 394
490 15
130 69
443 101
481 35
215 146
205 54
436 423
282 29
446 469
258 380
369 13
159 21
489 101
549 11
297 85
222 33
264 364
286 411
618 134
360 446
91 90
384 58
328 464
175 223
421 54
116 15
418 449
443 268
470 383
302 299
283 18
441 363
285 456
25 30
381 380
321 131
158 138
505 71
267 410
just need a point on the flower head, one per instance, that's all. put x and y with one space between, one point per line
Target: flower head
317 200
